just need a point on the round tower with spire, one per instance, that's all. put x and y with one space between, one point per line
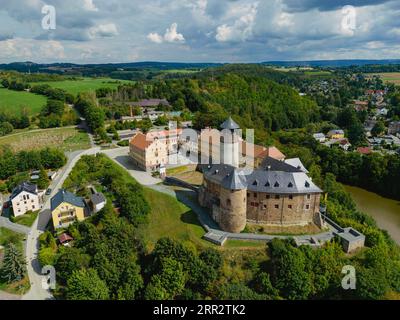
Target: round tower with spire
229 143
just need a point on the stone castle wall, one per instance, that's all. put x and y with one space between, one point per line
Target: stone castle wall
232 209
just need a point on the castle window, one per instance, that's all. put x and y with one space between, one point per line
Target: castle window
267 196
277 196
307 184
307 207
256 204
265 206
276 185
290 206
290 185
277 206
308 196
255 183
255 195
290 197
267 184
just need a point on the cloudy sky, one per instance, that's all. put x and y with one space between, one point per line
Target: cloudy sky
98 31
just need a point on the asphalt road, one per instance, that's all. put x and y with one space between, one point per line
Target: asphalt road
37 292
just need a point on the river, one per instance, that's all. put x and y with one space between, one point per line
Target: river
386 212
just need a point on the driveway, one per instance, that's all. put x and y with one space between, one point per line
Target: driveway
121 157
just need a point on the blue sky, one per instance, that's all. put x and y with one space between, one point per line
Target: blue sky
99 31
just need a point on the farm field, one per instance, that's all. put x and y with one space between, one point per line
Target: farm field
85 84
388 77
14 102
68 138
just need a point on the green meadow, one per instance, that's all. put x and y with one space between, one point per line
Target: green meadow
85 84
14 102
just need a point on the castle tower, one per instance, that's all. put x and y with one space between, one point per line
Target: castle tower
233 202
229 143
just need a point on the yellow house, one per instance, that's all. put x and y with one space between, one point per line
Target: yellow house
66 208
336 134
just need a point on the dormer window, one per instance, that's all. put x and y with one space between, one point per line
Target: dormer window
255 183
290 185
267 184
276 185
307 184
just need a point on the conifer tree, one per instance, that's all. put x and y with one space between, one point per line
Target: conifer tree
13 268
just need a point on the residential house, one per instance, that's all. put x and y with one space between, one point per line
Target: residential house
25 197
97 202
360 105
344 144
320 137
66 208
364 150
336 134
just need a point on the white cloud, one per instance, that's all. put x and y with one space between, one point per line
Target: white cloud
171 35
374 45
241 29
103 31
88 5
155 37
52 49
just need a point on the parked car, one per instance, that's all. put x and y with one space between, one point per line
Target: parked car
48 192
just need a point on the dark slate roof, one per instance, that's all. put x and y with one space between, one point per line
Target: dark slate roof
230 124
275 165
66 196
24 186
236 180
280 178
97 198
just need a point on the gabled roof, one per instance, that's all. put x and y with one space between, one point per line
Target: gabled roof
24 186
68 197
64 238
97 198
230 124
140 141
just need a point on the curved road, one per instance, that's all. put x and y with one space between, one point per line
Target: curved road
36 291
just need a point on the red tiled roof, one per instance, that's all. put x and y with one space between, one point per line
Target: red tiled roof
140 141
364 150
64 238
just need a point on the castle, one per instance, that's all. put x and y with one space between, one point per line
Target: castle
276 192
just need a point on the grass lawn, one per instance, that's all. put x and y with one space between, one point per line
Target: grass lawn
69 139
26 219
171 218
13 102
7 236
85 84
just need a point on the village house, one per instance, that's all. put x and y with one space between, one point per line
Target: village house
25 197
364 150
320 137
66 208
97 202
360 105
336 134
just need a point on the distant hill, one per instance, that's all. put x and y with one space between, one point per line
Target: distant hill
330 63
67 67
